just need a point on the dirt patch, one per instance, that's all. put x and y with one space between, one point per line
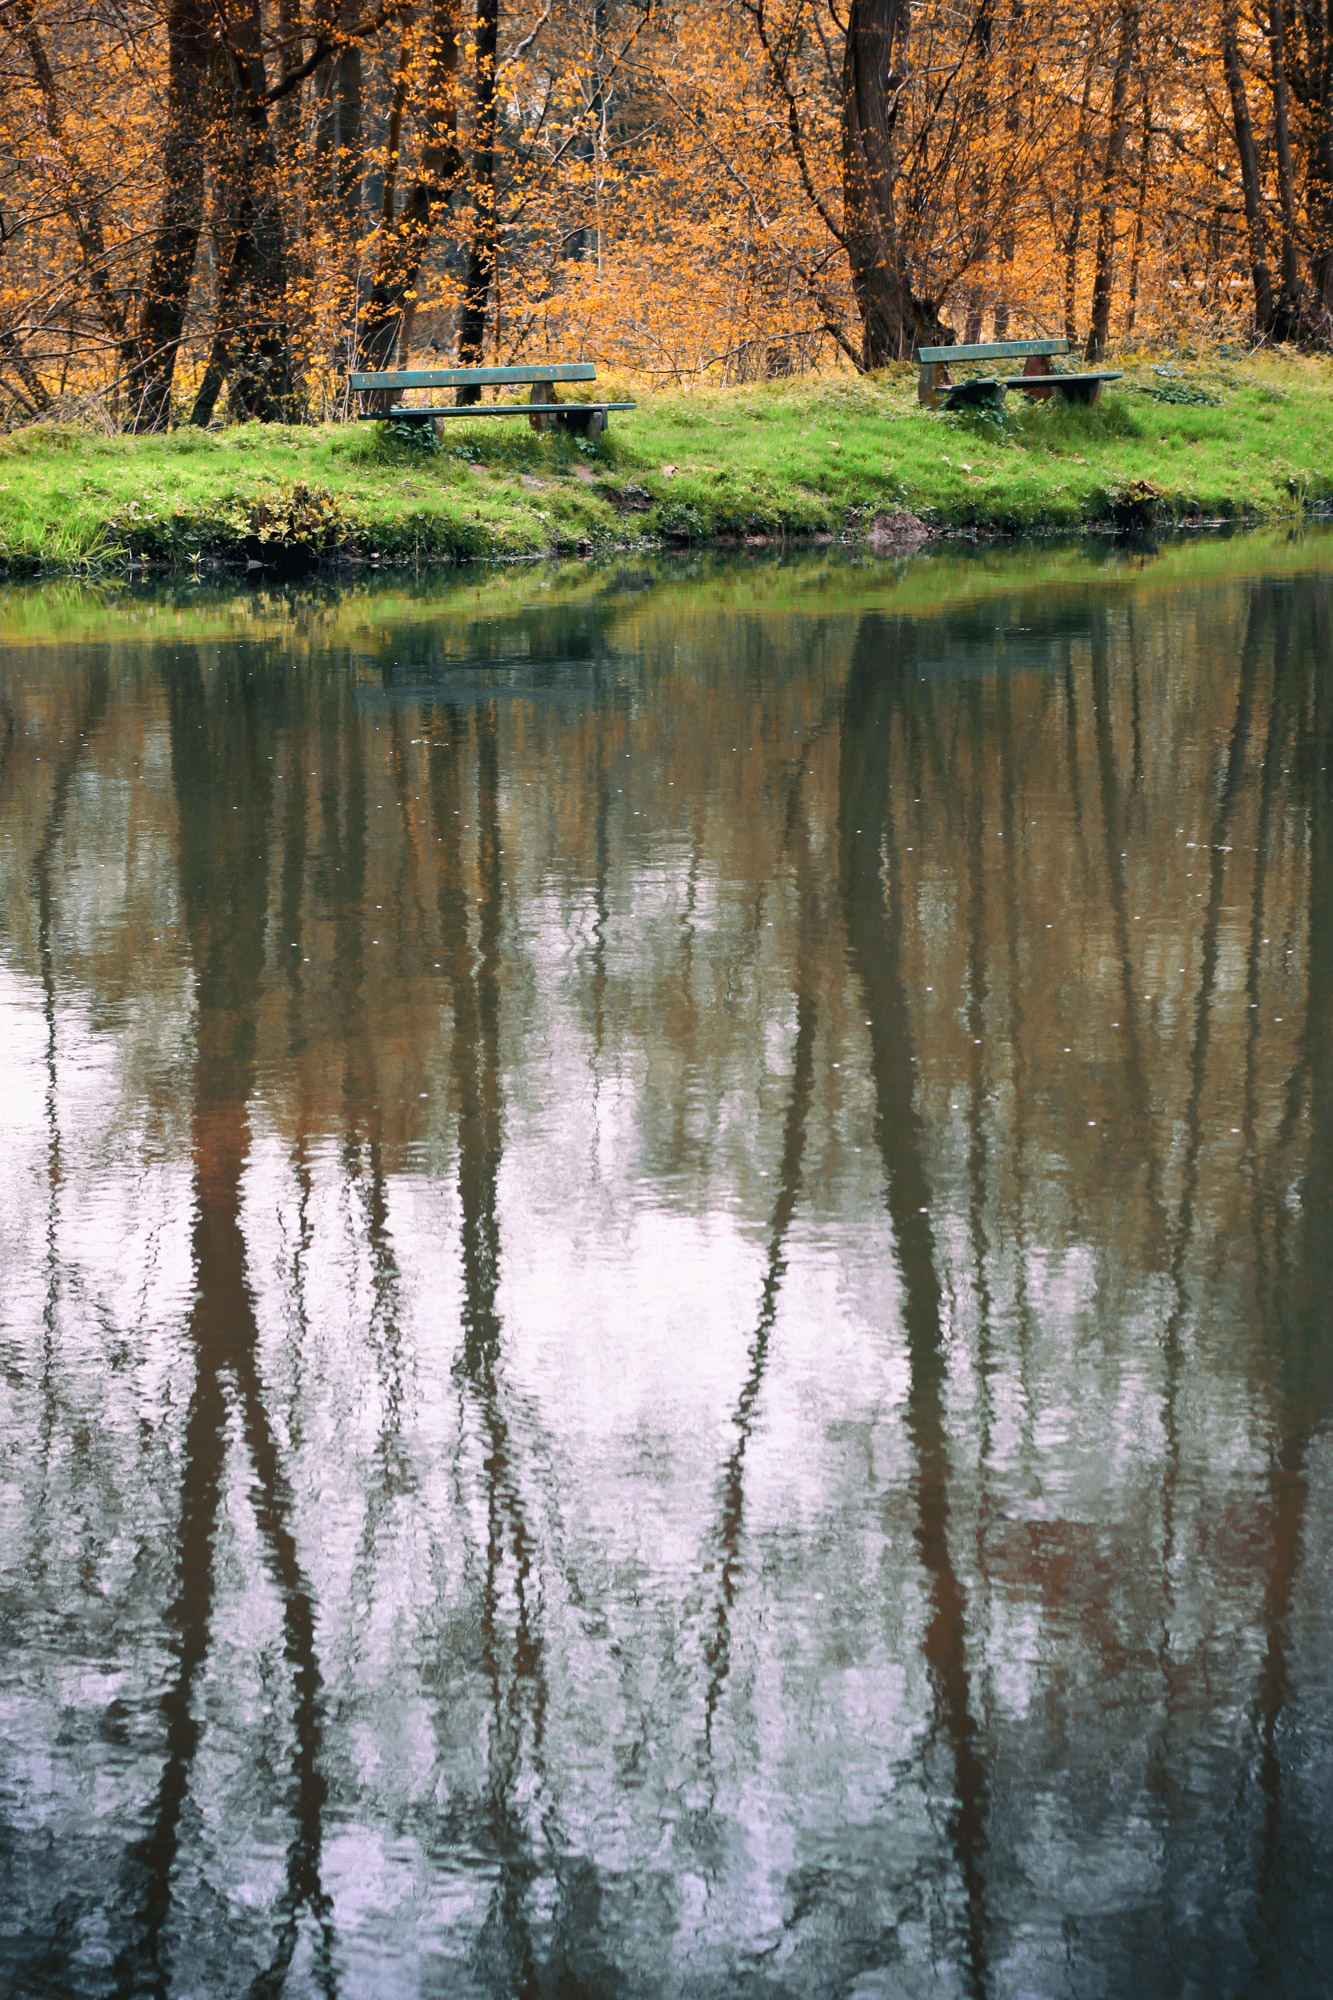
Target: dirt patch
899 533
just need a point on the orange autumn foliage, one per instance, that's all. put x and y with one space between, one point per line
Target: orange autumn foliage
208 210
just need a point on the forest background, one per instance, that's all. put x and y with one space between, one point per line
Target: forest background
213 207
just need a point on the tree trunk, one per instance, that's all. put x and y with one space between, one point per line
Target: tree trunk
1141 205
481 250
166 289
1303 66
351 96
1070 245
1104 270
386 318
1287 314
1251 184
251 345
1013 121
893 319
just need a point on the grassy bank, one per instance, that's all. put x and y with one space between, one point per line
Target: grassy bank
1211 439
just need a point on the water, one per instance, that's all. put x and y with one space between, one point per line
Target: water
665 1282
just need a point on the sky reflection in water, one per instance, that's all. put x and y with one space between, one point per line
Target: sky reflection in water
665 1284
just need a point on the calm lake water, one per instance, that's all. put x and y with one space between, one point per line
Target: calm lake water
666 1282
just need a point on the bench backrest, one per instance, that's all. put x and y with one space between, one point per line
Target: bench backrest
994 350
459 378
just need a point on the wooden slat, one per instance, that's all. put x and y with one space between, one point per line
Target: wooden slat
1045 381
463 378
994 350
420 411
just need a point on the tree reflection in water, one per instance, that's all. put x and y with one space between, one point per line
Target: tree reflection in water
666 1301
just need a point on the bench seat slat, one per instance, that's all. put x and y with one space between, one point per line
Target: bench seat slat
466 378
994 350
421 411
1045 381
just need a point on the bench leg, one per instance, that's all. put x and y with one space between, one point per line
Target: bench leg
1083 393
932 381
543 392
1035 365
583 423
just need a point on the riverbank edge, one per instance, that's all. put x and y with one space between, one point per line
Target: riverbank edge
1214 441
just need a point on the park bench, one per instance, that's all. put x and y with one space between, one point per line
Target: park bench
543 408
937 389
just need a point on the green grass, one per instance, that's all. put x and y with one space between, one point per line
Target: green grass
1214 439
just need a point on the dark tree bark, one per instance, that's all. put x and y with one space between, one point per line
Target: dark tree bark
351 112
1141 202
386 318
1287 313
983 42
480 274
251 348
1251 183
1013 122
1104 269
893 319
1075 224
584 241
1318 108
166 288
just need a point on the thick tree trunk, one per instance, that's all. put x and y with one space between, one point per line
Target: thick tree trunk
481 250
893 319
1251 184
166 289
1103 281
385 329
251 346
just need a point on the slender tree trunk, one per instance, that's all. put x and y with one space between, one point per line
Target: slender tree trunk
893 319
386 317
1013 124
1286 318
1250 181
1318 122
1141 204
983 42
351 153
480 274
1103 282
584 240
1075 226
166 288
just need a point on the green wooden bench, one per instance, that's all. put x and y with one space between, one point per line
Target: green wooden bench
543 408
937 389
